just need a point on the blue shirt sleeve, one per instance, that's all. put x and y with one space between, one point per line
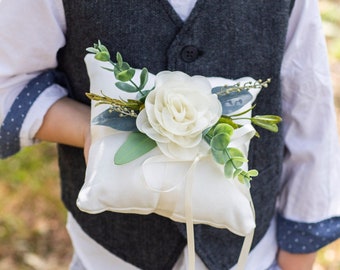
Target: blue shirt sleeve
11 126
300 237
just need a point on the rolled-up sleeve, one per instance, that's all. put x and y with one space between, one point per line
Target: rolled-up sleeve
309 202
31 34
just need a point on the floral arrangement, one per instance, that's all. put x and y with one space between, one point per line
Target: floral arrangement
176 114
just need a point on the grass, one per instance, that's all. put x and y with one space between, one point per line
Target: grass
32 220
330 11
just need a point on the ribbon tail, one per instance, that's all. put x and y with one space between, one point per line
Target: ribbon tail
241 263
242 260
189 216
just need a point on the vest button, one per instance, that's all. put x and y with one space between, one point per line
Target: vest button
189 53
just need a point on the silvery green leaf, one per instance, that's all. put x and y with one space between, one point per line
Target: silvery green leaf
236 156
141 95
92 50
136 145
237 172
125 75
102 47
125 66
220 142
219 156
126 87
229 169
223 128
143 78
238 161
112 119
102 56
253 173
119 59
241 178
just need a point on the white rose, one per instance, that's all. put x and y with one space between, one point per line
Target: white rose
177 111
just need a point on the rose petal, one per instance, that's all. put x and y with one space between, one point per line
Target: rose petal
177 111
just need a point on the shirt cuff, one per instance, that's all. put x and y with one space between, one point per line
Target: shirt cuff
11 127
35 115
301 237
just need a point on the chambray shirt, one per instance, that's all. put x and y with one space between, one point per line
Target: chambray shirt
308 207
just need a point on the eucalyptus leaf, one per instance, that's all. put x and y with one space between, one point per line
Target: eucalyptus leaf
229 169
113 120
223 128
125 66
227 120
241 178
102 47
220 157
144 75
236 156
220 141
238 161
116 70
126 87
141 95
237 172
125 75
253 173
102 56
92 50
119 59
136 145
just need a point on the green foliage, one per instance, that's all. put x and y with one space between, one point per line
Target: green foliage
232 158
268 122
136 145
32 217
330 11
100 51
126 87
144 76
218 137
123 72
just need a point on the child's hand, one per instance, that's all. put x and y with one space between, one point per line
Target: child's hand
67 122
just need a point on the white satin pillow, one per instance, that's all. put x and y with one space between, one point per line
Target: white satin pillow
154 183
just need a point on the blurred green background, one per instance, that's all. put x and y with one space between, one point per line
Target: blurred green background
32 219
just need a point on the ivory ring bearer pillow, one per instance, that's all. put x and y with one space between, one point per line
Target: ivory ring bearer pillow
153 183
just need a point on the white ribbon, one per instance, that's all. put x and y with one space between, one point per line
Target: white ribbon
189 215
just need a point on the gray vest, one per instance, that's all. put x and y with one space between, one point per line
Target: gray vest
232 39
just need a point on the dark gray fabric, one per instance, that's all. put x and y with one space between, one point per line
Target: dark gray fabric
233 39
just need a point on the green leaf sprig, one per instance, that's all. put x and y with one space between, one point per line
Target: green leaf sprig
123 72
218 136
268 122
